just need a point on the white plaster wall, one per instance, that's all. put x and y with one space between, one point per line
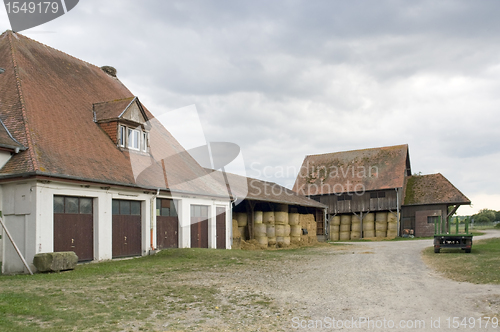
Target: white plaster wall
4 158
18 203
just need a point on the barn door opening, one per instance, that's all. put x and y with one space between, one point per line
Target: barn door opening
220 227
74 226
126 228
167 224
199 226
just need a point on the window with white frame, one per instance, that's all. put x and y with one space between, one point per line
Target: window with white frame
134 138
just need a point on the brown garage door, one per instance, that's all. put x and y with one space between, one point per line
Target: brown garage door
220 227
167 224
199 226
126 228
74 226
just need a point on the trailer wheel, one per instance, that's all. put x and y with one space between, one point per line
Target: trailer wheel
436 250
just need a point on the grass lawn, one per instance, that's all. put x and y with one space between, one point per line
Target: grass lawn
135 294
481 266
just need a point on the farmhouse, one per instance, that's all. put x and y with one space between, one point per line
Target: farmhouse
372 192
85 167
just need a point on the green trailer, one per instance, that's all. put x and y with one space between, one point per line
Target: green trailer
443 237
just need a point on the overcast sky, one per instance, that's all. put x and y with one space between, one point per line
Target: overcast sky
284 79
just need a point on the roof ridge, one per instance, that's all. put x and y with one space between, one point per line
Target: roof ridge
31 151
356 150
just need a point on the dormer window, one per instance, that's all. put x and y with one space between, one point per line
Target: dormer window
133 138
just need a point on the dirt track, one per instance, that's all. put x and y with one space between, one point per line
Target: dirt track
375 280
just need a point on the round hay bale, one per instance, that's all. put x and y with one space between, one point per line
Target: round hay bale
381 216
236 243
286 240
280 240
268 217
271 241
345 219
381 226
288 230
334 229
282 208
242 232
391 217
355 219
281 218
335 220
262 240
293 219
355 235
370 233
344 236
236 232
345 228
242 219
270 230
368 225
392 226
369 217
334 236
392 233
280 230
356 227
258 217
260 230
295 230
380 233
295 239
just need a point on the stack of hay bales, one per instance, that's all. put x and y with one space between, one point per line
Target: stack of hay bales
268 220
369 225
381 224
355 227
345 227
236 236
295 229
242 219
392 225
282 228
260 229
307 222
335 228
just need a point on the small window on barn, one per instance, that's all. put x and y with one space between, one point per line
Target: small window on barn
373 195
58 204
116 207
85 205
135 208
381 194
133 139
71 205
122 134
432 219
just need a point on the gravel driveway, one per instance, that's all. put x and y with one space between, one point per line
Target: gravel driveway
375 280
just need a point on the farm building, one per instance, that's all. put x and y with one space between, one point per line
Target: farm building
273 214
85 167
372 193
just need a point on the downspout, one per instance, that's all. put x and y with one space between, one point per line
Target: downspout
153 216
397 212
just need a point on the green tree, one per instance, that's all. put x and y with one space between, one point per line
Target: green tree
485 216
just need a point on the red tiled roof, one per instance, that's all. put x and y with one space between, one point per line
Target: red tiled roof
432 189
46 101
258 190
349 171
7 141
111 109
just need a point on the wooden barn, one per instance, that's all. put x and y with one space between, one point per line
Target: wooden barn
372 192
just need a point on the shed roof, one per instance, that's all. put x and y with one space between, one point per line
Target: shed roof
432 189
46 102
357 170
264 191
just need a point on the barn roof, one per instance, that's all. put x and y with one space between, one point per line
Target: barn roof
254 189
46 102
432 189
7 141
357 170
